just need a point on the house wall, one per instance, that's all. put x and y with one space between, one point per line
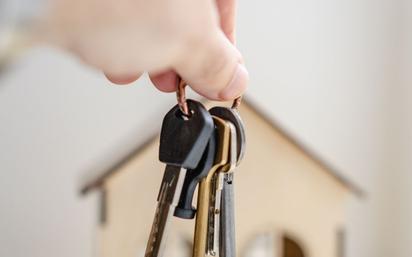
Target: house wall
278 188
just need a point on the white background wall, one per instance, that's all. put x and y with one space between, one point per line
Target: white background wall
335 73
330 72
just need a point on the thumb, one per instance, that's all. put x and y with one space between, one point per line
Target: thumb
213 67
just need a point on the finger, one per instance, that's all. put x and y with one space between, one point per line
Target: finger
122 79
227 14
212 67
165 82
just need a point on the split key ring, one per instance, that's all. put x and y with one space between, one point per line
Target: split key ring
181 98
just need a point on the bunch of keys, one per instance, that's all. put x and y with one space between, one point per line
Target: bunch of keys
201 149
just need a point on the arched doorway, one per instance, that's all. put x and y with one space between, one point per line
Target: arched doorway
290 248
274 244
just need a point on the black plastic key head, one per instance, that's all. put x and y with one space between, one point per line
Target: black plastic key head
184 139
184 208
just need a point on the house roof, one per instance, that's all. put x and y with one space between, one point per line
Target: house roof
98 181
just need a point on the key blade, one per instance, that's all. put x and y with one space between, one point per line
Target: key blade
214 216
155 244
227 231
168 198
171 184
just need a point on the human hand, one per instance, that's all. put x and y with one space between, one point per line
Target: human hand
124 38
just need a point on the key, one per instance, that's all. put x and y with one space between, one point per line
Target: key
205 187
227 219
184 139
227 213
184 208
182 143
216 195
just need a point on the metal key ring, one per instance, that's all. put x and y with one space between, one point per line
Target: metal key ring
237 102
181 98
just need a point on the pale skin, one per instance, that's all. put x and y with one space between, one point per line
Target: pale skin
124 38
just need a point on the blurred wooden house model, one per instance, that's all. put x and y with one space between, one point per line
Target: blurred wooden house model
283 191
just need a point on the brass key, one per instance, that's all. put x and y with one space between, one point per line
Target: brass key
213 233
205 187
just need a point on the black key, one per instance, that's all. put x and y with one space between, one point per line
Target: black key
182 143
184 208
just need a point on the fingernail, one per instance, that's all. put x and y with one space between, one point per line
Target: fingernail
237 85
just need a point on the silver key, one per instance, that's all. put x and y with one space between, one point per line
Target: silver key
168 198
227 219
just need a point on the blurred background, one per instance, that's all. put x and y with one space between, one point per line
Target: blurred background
335 74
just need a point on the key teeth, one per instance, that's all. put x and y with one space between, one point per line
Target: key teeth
185 213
